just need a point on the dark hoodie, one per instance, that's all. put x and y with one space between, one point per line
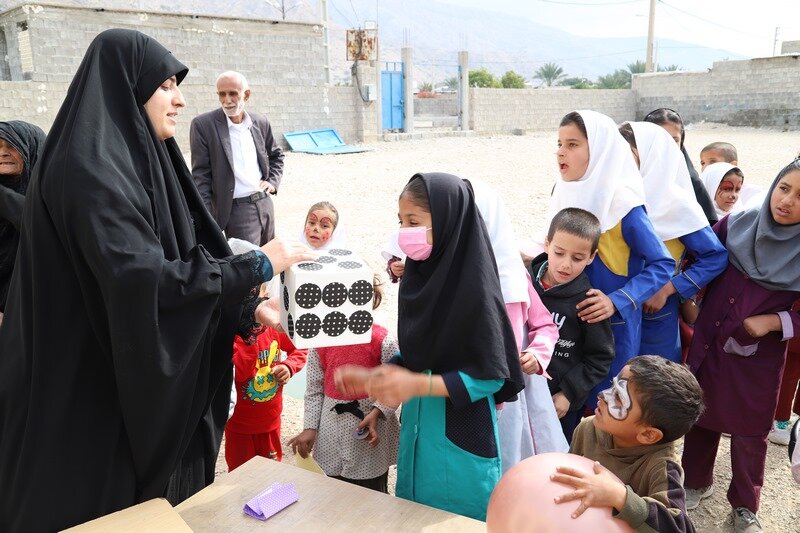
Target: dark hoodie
584 352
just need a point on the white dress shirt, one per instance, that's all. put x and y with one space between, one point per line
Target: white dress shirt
246 171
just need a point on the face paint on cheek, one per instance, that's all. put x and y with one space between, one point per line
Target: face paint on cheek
617 399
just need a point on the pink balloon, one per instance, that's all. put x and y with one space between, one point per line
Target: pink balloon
523 500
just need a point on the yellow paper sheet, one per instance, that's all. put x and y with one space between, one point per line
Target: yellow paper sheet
308 464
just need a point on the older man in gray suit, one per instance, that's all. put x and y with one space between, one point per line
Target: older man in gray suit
236 163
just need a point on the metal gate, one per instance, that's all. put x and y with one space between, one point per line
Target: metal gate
392 96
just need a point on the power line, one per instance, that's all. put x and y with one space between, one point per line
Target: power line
346 18
707 21
354 13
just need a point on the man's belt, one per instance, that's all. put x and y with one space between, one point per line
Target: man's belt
251 199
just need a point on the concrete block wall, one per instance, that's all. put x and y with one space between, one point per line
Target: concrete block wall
283 63
760 92
505 110
445 104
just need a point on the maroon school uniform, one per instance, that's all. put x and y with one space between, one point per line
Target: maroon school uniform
740 376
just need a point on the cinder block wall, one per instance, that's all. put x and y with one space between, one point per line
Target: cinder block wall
283 63
440 105
504 110
759 92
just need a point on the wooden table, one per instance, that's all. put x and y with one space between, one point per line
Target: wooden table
153 515
325 504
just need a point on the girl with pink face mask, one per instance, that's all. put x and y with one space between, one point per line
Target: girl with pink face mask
458 353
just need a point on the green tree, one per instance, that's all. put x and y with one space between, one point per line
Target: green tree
576 83
619 79
482 78
669 68
451 83
549 73
512 80
637 67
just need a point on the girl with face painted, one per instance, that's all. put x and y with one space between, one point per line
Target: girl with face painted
724 182
599 175
116 369
458 354
20 146
680 223
323 229
739 345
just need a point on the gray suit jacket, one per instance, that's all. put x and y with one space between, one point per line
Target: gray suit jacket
212 162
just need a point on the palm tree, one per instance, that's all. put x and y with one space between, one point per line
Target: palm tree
549 73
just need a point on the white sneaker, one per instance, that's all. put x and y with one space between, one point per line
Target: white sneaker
746 521
694 496
780 433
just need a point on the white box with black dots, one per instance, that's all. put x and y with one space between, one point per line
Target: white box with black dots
328 302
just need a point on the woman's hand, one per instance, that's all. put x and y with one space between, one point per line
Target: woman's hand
392 384
351 380
561 403
596 307
283 254
302 443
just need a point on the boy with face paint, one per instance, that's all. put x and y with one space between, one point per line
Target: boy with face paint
634 436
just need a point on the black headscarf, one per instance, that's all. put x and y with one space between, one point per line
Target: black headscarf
28 140
451 310
115 355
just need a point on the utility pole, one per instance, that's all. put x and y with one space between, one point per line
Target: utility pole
651 25
326 45
775 41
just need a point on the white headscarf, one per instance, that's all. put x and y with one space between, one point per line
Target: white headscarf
513 276
611 186
671 203
338 237
711 177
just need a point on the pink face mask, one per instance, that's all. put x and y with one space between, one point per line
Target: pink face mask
414 243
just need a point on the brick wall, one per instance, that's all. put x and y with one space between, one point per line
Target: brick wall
505 110
440 105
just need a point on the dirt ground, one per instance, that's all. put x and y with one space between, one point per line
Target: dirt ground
364 187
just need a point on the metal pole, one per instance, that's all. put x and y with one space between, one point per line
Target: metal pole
651 26
326 45
775 41
463 90
408 89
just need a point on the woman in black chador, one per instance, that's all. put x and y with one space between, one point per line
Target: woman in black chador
20 145
115 351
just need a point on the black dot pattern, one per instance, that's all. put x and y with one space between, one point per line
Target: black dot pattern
310 266
308 295
326 259
334 294
283 277
360 292
334 324
308 326
339 251
350 264
286 297
290 326
360 322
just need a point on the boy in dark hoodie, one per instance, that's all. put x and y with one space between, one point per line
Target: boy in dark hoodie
584 352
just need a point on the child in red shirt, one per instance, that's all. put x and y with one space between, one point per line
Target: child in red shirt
255 427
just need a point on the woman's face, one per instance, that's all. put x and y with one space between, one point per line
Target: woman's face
11 163
728 191
785 200
320 224
162 108
573 152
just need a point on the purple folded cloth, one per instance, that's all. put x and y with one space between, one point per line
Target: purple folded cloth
274 498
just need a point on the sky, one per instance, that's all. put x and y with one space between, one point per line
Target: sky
746 27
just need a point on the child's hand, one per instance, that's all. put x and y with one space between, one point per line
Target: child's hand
371 423
281 373
351 380
302 443
392 384
561 403
596 307
656 302
760 325
600 489
397 268
529 363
